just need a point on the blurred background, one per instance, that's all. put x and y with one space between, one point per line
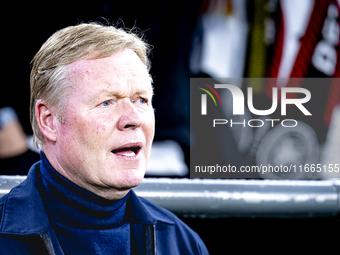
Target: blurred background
190 38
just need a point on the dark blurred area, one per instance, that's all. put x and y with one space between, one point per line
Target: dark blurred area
252 46
267 235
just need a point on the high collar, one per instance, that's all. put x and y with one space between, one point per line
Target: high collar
32 211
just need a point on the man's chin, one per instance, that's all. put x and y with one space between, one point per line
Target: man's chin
117 186
130 183
127 182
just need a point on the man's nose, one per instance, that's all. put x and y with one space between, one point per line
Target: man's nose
129 118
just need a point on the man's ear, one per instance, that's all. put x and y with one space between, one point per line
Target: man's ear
46 120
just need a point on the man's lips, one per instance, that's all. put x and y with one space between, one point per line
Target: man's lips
128 150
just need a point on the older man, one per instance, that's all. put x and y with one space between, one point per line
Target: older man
92 115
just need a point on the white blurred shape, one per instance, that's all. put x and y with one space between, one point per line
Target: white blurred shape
167 159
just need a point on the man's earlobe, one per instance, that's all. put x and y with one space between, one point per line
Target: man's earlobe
46 121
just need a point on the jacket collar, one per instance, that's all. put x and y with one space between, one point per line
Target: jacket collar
143 212
32 218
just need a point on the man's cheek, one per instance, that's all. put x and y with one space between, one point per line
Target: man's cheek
100 129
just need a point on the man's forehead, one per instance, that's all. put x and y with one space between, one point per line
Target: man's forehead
86 68
122 62
119 74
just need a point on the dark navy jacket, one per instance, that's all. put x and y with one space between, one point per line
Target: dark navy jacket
25 228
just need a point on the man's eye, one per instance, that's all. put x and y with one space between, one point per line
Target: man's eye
142 100
106 103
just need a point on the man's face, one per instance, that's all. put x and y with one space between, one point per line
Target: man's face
105 143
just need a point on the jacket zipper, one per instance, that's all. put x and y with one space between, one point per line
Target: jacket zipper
48 242
150 239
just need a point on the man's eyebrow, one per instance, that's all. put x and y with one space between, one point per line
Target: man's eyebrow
110 92
146 90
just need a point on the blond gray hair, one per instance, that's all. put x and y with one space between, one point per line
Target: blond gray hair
84 41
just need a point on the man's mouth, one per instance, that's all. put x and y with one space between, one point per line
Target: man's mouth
129 151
